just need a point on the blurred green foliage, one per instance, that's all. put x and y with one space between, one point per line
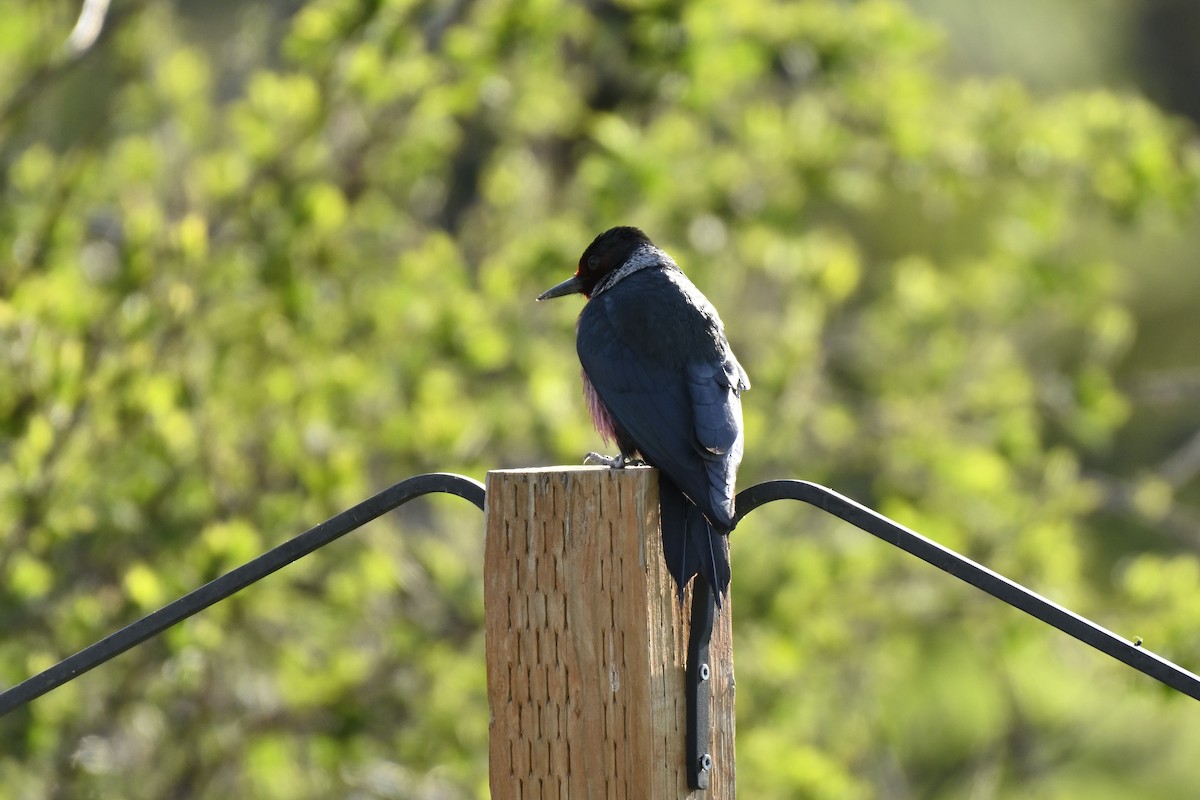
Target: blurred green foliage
260 260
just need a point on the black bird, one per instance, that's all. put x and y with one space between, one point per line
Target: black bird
661 380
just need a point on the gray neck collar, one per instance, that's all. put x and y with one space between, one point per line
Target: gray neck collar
645 256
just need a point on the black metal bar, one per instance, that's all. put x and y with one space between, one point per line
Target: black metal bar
237 579
975 574
698 682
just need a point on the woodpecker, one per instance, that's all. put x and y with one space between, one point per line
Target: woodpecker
662 383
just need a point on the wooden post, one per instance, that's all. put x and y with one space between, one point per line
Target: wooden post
586 642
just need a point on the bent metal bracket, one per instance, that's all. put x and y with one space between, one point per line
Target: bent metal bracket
697 673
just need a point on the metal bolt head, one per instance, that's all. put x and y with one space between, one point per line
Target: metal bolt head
705 672
705 762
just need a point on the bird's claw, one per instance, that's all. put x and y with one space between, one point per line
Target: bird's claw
601 460
612 462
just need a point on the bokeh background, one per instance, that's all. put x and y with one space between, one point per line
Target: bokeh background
259 260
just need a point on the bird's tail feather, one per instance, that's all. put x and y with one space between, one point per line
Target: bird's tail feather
691 545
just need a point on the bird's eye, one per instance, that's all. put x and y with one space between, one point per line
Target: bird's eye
593 262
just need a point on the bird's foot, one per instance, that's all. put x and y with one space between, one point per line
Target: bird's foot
601 460
612 462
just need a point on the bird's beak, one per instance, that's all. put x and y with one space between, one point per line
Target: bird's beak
570 286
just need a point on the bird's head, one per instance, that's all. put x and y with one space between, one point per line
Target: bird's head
607 253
